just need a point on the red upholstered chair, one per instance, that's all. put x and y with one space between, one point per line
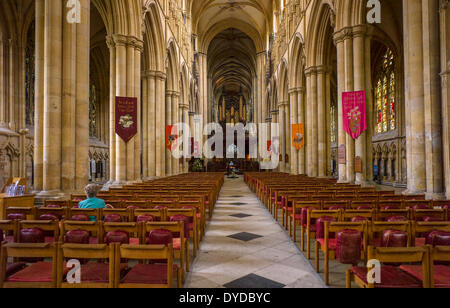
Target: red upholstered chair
430 215
95 230
335 205
51 213
358 215
315 225
158 215
37 275
96 213
123 233
12 268
378 237
164 233
200 210
56 203
9 231
363 205
114 204
348 246
418 204
191 229
151 275
421 229
390 205
393 215
136 204
20 213
49 227
93 274
300 217
392 276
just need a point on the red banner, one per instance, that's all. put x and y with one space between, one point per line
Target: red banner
269 145
354 112
171 137
126 117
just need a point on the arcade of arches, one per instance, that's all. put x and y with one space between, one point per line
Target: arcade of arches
252 61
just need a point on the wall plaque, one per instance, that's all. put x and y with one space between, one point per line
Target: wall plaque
342 154
358 164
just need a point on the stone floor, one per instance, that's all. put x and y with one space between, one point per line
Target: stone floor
244 247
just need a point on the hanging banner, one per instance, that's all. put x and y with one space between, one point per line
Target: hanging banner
126 117
298 135
171 137
354 113
269 146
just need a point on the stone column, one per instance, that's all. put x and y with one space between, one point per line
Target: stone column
321 122
146 120
349 86
293 96
38 96
160 123
175 120
342 138
415 136
282 137
2 84
445 82
287 127
12 60
308 124
359 85
52 97
432 98
314 124
151 125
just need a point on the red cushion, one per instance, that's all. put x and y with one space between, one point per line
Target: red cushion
391 277
80 217
359 219
16 216
148 274
32 235
320 226
53 206
37 272
390 207
48 217
364 207
441 274
113 218
432 219
348 246
93 240
117 236
160 237
134 241
12 268
95 272
160 207
438 238
186 221
394 238
77 237
420 241
145 218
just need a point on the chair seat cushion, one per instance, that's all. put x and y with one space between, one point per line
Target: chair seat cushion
148 274
441 274
37 272
98 272
391 277
420 241
134 241
12 268
331 243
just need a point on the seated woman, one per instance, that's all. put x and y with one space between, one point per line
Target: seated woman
92 202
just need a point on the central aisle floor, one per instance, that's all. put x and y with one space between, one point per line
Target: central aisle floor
244 247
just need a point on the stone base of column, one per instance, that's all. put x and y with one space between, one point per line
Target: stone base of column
435 196
366 183
50 195
412 192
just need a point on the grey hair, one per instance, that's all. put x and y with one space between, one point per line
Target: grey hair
91 190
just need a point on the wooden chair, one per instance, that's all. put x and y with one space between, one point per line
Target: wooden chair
133 229
94 213
28 212
94 228
421 228
158 215
200 210
54 203
350 215
37 275
93 274
180 244
192 227
136 204
429 215
312 227
390 205
329 246
58 213
125 214
363 205
377 227
333 205
418 204
51 227
296 219
147 275
398 277
383 215
440 274
115 204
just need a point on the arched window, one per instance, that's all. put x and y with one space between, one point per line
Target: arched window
29 77
93 112
333 125
385 94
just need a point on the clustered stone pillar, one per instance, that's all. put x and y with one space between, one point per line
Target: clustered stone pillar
125 58
293 97
61 99
301 119
445 76
423 123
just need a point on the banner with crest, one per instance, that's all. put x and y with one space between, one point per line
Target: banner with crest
126 117
354 113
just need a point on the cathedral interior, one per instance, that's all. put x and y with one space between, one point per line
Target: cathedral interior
65 63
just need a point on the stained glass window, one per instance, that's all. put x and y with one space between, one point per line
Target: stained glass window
93 112
333 124
29 77
385 94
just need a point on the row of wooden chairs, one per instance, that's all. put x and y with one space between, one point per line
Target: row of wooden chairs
106 269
